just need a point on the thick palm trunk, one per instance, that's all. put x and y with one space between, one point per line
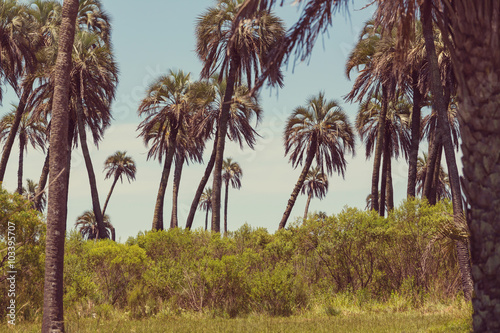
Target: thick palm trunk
389 188
7 148
298 186
43 180
201 186
307 205
177 182
96 206
478 68
378 151
160 199
109 194
22 144
221 141
225 207
53 317
415 137
444 129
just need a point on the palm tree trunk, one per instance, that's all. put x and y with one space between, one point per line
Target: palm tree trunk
221 141
415 137
7 148
179 162
307 205
225 207
158 213
22 144
378 151
444 128
389 188
476 44
434 145
53 316
298 186
43 180
96 206
109 194
435 176
206 221
201 186
385 170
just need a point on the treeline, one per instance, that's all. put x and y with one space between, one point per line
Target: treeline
354 252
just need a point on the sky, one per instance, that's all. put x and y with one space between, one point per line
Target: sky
155 36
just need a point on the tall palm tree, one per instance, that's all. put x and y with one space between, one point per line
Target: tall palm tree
241 113
234 52
443 182
53 318
31 191
321 131
17 56
166 107
117 165
31 131
231 174
396 141
206 204
315 184
87 225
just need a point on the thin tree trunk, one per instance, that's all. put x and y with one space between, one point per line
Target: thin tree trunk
221 141
96 206
383 182
201 186
225 207
109 194
53 315
378 151
435 177
477 66
158 213
389 188
444 128
7 148
300 182
22 144
177 181
309 196
434 145
415 137
206 221
43 180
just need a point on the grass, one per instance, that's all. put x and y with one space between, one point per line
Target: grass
351 317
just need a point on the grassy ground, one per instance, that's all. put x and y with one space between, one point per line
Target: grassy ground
431 319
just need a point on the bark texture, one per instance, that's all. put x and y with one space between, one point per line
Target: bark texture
477 66
177 182
415 138
53 318
378 151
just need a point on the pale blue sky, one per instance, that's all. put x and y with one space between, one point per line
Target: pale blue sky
151 37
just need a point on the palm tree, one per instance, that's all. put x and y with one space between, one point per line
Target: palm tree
234 52
87 225
443 182
31 131
321 131
53 319
315 184
206 204
243 108
117 165
231 174
396 141
166 107
31 191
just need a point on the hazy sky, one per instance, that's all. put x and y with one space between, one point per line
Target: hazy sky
151 37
